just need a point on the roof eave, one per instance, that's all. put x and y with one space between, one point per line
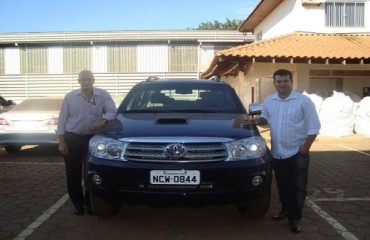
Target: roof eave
261 11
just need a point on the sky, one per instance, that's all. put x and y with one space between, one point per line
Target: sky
18 16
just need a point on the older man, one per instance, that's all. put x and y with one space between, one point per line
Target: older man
84 111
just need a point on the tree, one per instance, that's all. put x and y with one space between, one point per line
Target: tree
216 25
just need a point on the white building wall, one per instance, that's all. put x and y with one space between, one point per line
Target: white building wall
55 60
260 77
207 53
99 59
152 58
291 16
12 61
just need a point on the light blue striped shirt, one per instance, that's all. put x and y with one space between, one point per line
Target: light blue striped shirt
77 114
291 120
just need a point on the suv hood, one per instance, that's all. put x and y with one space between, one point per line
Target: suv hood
178 124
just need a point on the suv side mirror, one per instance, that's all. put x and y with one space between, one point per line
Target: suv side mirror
255 108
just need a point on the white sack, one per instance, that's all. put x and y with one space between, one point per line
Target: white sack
316 99
362 119
337 115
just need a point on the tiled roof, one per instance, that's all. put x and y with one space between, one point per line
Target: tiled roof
306 45
298 47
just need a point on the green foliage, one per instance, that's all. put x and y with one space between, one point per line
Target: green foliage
230 24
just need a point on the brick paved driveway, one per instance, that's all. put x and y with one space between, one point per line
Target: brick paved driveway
34 204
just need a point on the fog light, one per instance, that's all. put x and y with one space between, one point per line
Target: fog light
97 179
257 180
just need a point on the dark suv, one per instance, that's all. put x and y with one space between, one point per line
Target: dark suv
180 142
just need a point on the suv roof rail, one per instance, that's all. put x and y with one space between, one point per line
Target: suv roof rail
216 78
152 78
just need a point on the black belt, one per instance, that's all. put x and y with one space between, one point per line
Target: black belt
80 135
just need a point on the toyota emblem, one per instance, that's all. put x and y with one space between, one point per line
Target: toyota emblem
175 150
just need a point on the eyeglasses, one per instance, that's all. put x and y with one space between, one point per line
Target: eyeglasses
86 79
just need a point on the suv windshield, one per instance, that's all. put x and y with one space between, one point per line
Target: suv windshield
184 97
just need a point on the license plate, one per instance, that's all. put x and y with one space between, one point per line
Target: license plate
24 125
175 177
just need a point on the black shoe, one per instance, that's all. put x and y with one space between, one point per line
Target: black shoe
281 215
78 210
89 210
296 226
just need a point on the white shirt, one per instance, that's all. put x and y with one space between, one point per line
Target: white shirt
291 120
77 113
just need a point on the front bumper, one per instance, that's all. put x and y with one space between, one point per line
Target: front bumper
221 182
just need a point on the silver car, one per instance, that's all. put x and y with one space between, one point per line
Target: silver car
32 122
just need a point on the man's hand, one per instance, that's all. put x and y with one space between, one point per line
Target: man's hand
98 124
258 121
250 120
63 148
305 148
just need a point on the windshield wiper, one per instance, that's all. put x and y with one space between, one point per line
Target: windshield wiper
196 111
171 111
145 111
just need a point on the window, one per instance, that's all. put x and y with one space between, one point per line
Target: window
183 58
122 58
177 96
344 14
33 60
76 59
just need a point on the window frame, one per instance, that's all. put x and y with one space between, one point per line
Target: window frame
345 14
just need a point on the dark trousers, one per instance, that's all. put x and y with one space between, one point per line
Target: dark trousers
291 175
78 146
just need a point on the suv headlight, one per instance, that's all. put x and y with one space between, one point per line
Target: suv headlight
108 148
247 148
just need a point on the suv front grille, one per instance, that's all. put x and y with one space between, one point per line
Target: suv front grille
196 152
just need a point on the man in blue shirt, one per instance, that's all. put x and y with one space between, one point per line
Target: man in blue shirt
294 125
84 111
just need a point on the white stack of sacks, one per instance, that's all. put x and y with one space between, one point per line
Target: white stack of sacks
362 119
337 115
316 99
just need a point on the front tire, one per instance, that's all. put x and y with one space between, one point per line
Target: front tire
256 208
12 148
104 208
